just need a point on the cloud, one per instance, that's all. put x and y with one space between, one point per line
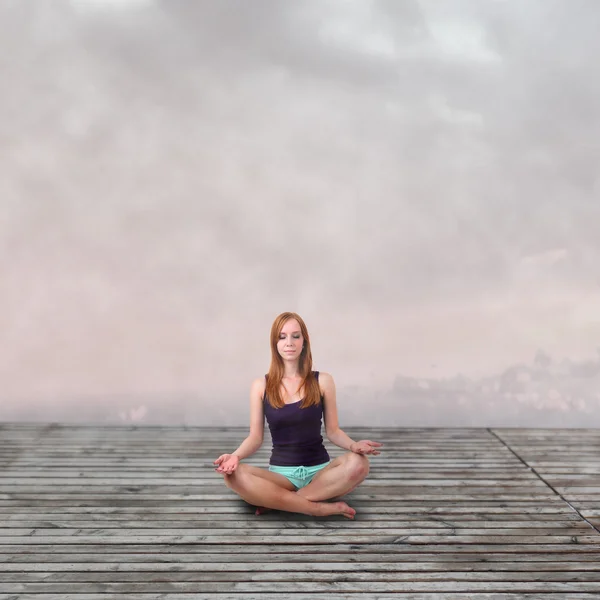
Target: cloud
545 259
423 167
120 5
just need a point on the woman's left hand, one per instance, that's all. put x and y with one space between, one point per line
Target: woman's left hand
365 447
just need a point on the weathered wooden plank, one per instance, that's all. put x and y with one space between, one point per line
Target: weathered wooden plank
215 439
178 449
346 537
300 596
148 502
143 497
305 587
500 567
203 479
572 479
283 519
190 500
448 561
356 575
217 444
490 507
576 499
428 470
213 560
376 510
370 532
350 552
216 485
27 502
177 476
526 527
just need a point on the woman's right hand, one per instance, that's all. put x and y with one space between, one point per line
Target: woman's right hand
227 463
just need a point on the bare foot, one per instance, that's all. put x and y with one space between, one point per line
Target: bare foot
336 508
261 510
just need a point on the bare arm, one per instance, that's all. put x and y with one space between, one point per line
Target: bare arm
334 434
255 438
247 448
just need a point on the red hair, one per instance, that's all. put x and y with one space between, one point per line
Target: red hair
312 393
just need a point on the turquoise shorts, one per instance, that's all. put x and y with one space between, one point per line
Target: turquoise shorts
299 476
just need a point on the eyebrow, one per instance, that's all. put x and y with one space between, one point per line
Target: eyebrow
298 331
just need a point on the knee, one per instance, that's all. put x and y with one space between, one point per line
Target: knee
235 479
358 466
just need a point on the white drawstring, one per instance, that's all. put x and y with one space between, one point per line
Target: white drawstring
300 472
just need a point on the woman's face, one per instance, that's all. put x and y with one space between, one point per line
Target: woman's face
290 340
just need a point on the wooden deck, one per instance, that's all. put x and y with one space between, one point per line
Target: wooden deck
92 513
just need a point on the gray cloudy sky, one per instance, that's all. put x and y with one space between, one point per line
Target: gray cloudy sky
418 179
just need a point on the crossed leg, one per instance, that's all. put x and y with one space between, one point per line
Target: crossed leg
263 488
342 475
339 477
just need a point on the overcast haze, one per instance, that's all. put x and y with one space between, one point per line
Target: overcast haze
419 180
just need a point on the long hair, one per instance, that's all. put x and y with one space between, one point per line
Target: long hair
312 393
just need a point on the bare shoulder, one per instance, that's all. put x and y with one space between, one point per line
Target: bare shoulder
258 386
325 381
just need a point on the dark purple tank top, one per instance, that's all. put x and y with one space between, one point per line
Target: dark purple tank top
296 434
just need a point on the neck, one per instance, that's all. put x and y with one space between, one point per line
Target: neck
292 371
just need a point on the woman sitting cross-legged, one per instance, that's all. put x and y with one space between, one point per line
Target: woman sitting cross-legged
293 398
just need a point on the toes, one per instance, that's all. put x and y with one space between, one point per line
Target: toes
261 509
347 511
